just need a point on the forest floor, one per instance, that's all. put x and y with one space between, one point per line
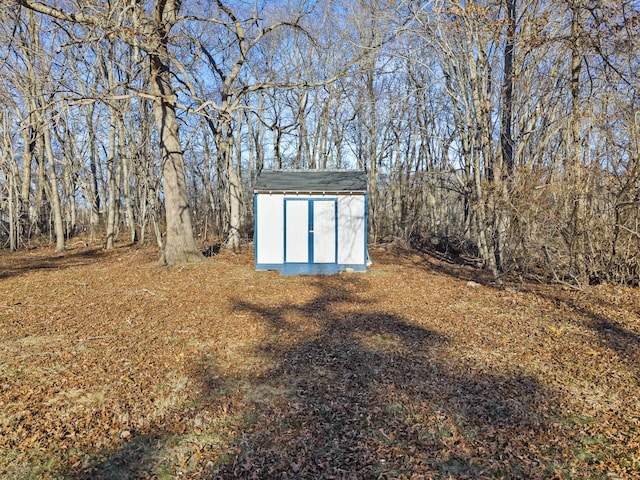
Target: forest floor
113 368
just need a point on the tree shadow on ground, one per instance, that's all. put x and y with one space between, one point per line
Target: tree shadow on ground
345 390
369 395
9 267
611 334
451 266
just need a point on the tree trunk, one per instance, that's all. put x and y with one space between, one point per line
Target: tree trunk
235 209
91 186
125 163
577 217
235 192
12 180
70 187
259 140
180 246
13 226
506 138
28 140
234 187
501 212
113 201
53 191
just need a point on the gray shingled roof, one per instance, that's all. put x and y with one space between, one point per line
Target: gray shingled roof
311 181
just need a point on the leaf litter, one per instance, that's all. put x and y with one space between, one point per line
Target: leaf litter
113 368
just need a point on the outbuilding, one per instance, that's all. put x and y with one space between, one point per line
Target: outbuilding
310 221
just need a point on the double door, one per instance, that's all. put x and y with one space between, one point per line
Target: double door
311 230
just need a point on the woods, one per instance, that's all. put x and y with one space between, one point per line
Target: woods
502 131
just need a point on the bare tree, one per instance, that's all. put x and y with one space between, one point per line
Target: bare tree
36 83
151 33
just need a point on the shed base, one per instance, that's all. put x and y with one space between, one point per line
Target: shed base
311 268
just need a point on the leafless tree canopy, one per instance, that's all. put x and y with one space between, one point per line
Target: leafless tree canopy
503 133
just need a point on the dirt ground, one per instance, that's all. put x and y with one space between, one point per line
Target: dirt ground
113 368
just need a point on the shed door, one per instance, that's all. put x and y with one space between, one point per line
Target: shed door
310 230
324 231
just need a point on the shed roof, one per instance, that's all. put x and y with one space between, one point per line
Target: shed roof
311 181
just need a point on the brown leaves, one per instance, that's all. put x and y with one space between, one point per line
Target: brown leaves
217 371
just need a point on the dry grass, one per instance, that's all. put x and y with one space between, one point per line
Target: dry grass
112 368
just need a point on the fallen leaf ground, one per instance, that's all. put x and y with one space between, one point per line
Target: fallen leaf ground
113 368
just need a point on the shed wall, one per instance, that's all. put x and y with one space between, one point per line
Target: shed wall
269 212
271 229
351 230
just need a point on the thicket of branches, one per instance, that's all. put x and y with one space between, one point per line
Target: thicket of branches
502 131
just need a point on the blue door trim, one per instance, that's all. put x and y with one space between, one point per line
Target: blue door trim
255 229
366 229
335 215
311 233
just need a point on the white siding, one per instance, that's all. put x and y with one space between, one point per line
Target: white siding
351 234
270 229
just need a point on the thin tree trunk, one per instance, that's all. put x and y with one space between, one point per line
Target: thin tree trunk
70 188
113 202
234 193
207 181
125 164
506 138
259 139
12 180
53 191
235 210
578 207
501 213
13 225
29 143
91 187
